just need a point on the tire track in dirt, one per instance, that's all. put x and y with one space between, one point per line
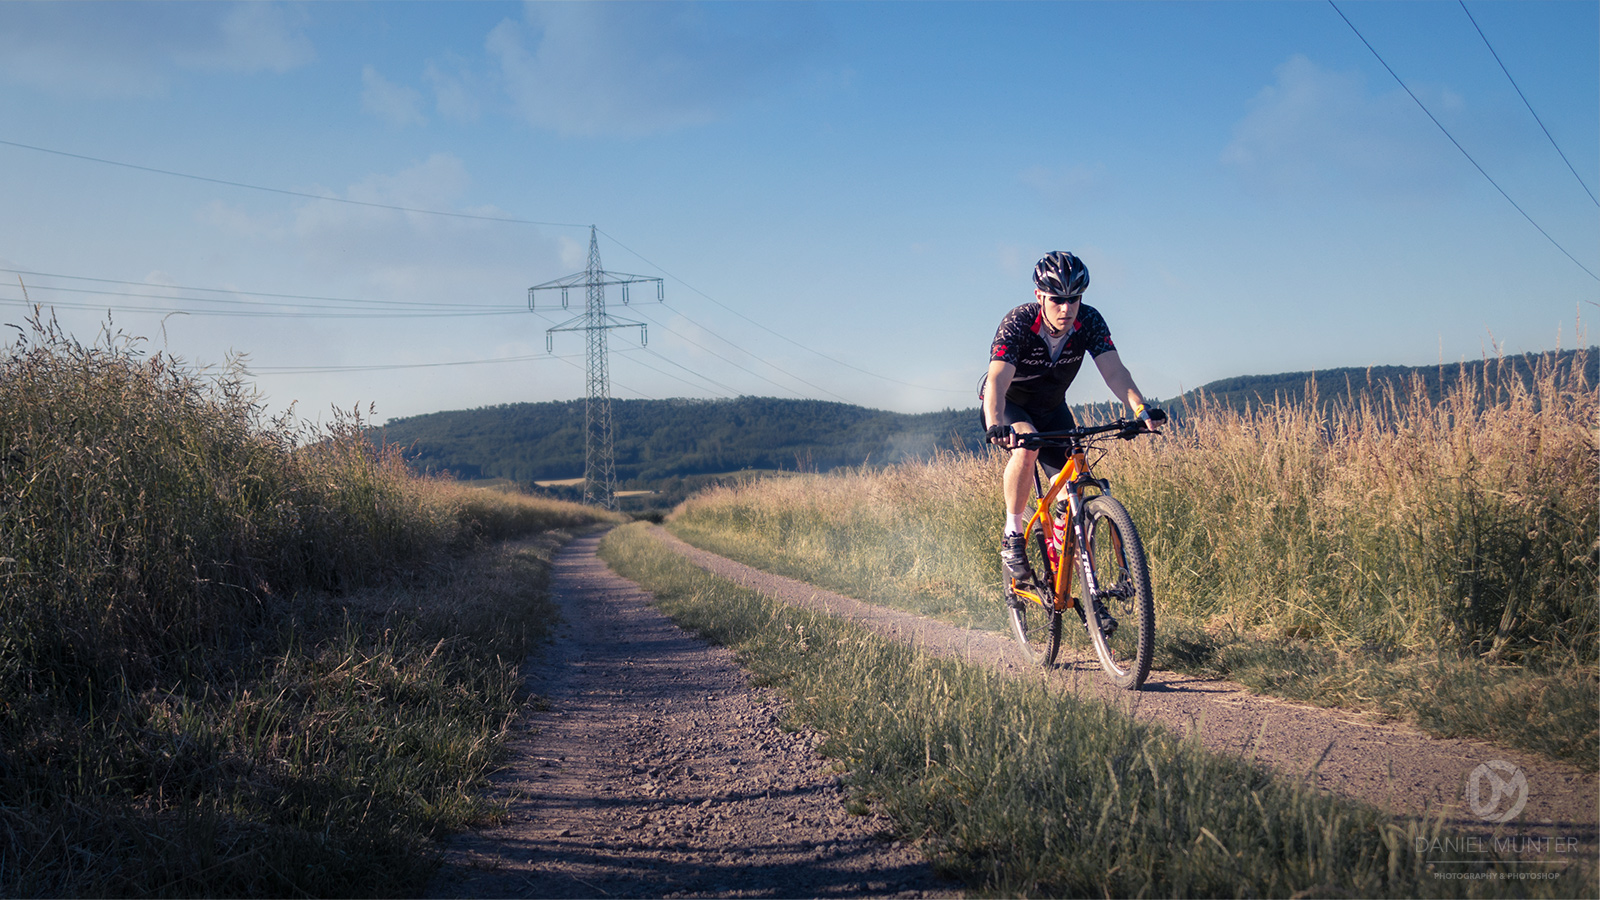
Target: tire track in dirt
1392 765
655 769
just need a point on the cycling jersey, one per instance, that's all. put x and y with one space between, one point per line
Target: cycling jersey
1040 382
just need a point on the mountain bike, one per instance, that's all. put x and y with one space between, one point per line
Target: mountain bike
1080 534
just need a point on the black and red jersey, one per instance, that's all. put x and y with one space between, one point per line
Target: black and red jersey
1041 382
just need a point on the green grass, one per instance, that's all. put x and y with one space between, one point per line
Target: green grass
1433 561
1548 709
1018 789
239 657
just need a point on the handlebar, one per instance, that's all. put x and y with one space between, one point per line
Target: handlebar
1126 429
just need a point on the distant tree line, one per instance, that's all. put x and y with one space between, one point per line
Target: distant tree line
660 439
670 445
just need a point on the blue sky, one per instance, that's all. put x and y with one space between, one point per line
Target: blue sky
843 198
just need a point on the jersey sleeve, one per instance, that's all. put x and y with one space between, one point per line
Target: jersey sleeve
1007 344
1096 335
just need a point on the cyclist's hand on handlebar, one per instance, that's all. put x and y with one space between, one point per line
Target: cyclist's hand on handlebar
1153 417
1008 436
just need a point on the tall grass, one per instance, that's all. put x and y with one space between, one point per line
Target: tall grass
1328 553
212 677
1397 522
1021 790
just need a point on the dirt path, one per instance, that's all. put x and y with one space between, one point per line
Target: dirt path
656 770
1390 764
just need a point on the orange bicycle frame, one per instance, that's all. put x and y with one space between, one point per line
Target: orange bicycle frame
1060 544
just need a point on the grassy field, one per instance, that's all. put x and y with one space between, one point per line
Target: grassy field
1429 560
239 658
1020 790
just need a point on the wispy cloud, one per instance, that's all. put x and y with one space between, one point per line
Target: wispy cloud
389 101
1315 127
136 49
640 68
456 90
404 255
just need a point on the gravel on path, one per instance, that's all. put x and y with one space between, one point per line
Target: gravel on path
654 769
1392 765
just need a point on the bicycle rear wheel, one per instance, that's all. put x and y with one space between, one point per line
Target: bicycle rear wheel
1035 623
1123 578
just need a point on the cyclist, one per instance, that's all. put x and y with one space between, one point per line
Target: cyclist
1035 355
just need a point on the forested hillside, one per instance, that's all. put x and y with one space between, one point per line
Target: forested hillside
657 439
1334 385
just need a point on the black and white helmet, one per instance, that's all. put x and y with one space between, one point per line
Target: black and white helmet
1062 274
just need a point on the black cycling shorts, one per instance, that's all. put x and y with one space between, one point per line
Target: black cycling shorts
1048 419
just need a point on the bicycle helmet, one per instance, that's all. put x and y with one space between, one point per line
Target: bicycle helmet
1062 274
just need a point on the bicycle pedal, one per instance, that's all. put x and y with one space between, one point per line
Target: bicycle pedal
1104 620
1020 593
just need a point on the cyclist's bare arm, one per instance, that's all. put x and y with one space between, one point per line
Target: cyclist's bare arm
1121 383
994 397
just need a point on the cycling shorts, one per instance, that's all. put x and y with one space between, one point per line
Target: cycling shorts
1058 418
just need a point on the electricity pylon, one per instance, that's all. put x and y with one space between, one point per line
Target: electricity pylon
599 456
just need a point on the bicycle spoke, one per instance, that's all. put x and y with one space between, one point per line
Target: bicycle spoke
1117 558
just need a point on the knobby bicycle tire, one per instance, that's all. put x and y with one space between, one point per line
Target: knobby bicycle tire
1116 555
1037 627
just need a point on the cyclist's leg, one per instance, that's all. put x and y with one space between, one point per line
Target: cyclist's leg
1035 622
1018 477
1017 486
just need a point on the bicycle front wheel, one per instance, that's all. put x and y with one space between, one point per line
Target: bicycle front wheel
1122 576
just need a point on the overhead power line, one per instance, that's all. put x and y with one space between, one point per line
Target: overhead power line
1527 104
692 342
272 190
423 211
720 388
236 291
324 370
438 312
773 332
1463 150
240 305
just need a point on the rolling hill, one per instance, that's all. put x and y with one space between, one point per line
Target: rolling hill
662 440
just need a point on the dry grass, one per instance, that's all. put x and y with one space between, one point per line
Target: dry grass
237 657
1400 523
1454 541
1024 791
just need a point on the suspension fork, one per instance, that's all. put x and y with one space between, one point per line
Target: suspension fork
1061 538
1091 586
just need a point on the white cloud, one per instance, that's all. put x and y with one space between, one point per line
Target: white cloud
573 254
391 102
456 93
631 69
136 49
397 255
1317 127
252 37
415 255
